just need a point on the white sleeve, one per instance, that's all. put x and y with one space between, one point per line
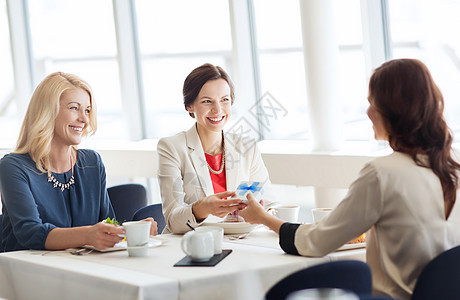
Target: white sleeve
361 208
175 210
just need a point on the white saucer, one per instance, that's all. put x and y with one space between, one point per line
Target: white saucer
232 228
123 246
152 243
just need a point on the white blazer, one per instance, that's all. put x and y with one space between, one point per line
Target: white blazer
184 176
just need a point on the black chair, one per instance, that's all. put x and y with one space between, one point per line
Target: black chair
440 279
155 211
1 231
126 199
349 275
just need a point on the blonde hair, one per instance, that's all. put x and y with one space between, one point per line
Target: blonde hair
37 130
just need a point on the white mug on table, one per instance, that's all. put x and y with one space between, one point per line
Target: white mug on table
217 234
198 245
288 213
137 237
320 213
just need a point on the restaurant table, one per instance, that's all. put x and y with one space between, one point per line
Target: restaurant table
255 264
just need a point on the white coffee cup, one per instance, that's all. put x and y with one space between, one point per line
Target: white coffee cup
288 213
217 234
198 245
138 251
320 213
137 233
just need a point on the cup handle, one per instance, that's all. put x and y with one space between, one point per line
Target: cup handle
271 205
272 211
184 244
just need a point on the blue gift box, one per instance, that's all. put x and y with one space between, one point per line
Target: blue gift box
254 187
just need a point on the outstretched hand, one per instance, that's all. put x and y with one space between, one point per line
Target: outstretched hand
217 205
254 211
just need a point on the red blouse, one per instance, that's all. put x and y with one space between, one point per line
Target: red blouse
219 181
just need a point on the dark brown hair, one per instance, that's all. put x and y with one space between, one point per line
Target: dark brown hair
198 77
412 106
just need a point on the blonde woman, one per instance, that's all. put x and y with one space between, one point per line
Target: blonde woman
54 195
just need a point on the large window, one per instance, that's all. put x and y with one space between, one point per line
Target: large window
79 37
428 30
8 107
175 37
352 77
282 71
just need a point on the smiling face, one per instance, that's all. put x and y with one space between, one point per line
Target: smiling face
212 107
73 117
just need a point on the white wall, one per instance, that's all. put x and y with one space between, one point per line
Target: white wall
302 178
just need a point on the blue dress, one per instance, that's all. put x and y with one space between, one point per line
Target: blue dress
32 207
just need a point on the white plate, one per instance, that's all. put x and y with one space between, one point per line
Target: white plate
232 228
123 245
352 246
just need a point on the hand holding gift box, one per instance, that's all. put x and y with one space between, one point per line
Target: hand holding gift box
256 188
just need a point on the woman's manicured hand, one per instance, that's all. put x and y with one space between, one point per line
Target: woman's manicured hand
254 212
104 235
216 205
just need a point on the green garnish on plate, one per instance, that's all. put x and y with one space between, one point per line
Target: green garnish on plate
112 221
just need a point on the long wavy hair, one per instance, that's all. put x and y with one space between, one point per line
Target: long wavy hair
412 107
37 130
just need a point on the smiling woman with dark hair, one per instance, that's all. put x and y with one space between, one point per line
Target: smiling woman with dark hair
199 168
406 201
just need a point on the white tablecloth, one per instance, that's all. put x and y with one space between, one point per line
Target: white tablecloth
256 264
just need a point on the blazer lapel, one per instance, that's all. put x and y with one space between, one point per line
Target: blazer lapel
198 160
232 163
